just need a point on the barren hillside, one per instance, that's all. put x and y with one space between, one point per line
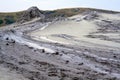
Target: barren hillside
66 44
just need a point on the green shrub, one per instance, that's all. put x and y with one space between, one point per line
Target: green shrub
1 21
9 20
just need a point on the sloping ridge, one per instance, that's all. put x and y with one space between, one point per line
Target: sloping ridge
34 12
31 13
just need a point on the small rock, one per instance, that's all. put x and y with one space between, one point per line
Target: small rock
56 53
115 56
75 78
7 38
67 61
7 44
80 63
43 51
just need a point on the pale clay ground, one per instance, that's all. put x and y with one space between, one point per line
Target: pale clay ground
77 29
69 33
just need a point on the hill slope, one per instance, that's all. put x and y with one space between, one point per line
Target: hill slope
9 18
85 46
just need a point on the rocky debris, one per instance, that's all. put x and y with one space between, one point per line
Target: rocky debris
27 63
7 38
30 14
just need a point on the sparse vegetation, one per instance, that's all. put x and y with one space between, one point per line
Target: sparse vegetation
1 21
71 11
9 18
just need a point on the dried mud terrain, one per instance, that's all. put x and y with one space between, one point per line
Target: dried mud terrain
82 47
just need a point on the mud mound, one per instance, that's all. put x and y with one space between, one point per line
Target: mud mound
30 14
